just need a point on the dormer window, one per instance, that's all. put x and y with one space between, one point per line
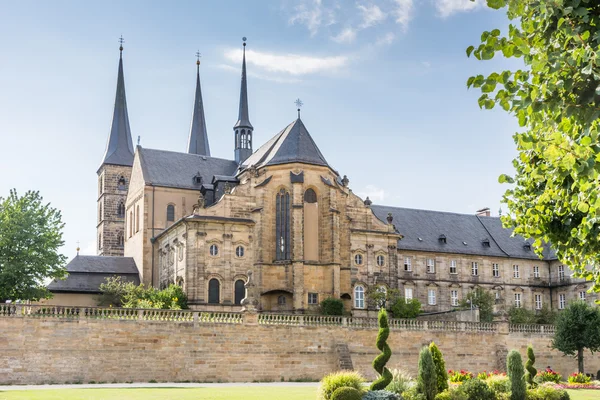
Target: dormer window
197 179
527 246
485 242
442 239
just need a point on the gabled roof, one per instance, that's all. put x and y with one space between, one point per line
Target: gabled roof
292 144
177 170
464 233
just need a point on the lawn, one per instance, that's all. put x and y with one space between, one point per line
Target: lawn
584 394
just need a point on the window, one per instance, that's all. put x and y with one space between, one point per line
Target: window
454 298
407 264
474 268
170 213
358 259
431 297
239 251
383 291
239 291
453 266
517 300
359 297
310 196
214 287
430 266
282 225
137 218
561 272
100 184
281 300
121 183
120 239
380 261
130 223
516 271
562 301
582 295
536 271
311 226
313 298
538 301
495 270
100 212
408 294
497 295
121 209
99 241
214 250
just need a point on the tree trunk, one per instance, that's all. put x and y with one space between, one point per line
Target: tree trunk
580 360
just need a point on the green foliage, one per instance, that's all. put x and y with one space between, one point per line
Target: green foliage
385 376
440 367
451 394
530 371
483 300
346 393
401 381
339 379
525 316
579 377
427 378
516 375
380 395
116 292
331 306
30 239
548 375
499 384
547 392
576 330
476 389
555 196
406 308
413 394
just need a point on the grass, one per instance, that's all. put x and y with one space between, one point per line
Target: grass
580 394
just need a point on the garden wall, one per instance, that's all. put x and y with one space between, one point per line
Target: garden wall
107 345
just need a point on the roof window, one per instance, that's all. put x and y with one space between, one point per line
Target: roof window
527 246
485 242
442 239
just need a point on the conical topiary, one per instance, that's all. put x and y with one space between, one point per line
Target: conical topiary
530 369
440 367
514 367
385 376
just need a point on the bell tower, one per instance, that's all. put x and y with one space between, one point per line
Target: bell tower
243 128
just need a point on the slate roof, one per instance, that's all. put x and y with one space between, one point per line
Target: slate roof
243 119
87 273
198 139
177 170
465 233
292 144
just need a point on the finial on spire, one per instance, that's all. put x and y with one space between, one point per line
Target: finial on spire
78 247
121 41
298 104
244 40
198 55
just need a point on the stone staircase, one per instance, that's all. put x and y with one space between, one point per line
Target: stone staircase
344 357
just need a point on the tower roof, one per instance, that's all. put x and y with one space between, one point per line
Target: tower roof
198 139
119 148
243 119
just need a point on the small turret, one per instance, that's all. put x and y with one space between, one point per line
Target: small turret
243 128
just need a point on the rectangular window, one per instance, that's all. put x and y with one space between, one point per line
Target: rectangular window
430 266
582 296
562 301
313 298
538 301
431 297
516 271
454 297
453 266
495 271
407 264
561 272
408 294
517 300
474 268
536 271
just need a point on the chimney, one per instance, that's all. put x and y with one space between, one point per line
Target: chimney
484 212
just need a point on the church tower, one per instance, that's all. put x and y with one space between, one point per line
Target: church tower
198 140
243 128
114 174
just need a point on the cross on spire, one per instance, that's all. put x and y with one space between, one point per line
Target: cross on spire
298 104
121 41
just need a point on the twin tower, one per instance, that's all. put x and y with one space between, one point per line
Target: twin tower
115 171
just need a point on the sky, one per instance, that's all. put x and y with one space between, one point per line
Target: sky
383 84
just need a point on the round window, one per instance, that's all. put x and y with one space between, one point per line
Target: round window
380 261
214 250
239 251
358 259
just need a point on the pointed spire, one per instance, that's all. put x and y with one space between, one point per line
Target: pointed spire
243 119
198 139
119 148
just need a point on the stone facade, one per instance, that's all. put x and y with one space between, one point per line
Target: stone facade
113 183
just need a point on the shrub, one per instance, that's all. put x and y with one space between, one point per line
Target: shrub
451 394
499 384
459 376
476 389
548 375
413 394
385 376
578 377
346 393
516 375
440 367
380 395
339 379
427 379
531 371
406 308
482 299
332 306
547 392
119 293
401 382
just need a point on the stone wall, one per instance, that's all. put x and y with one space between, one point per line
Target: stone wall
111 345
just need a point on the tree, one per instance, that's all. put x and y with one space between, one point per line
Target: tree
440 367
385 376
481 299
406 308
555 197
30 236
331 306
516 375
427 379
577 330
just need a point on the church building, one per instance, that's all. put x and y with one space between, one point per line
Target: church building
285 214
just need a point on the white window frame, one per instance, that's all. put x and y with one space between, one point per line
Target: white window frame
582 295
359 297
431 297
516 273
536 271
240 251
213 250
453 269
408 264
408 293
454 298
517 300
496 270
562 301
311 296
561 272
474 268
431 265
358 257
380 260
538 301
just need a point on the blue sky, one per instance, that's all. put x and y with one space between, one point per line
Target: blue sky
382 81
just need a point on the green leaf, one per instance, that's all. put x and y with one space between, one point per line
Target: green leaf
470 50
586 141
583 207
496 32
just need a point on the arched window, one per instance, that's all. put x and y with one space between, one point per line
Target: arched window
243 138
121 184
130 223
358 259
137 218
214 287
282 225
120 239
239 251
380 261
100 212
170 213
121 209
310 196
240 291
214 250
311 226
237 139
359 297
99 241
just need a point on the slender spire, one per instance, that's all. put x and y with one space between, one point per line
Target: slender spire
243 119
119 148
198 140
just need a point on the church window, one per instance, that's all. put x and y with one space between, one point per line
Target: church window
281 300
237 139
380 261
170 213
310 196
137 218
358 259
100 181
243 138
240 291
214 287
313 298
121 209
282 225
359 297
239 251
214 250
120 239
130 223
99 241
121 184
100 212
311 226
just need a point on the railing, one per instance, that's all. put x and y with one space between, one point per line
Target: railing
537 329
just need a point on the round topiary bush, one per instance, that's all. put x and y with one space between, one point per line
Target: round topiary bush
346 393
339 379
381 395
476 389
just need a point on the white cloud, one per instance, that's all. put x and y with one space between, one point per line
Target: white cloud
404 12
386 39
313 14
448 7
346 36
292 64
426 64
270 78
375 194
371 15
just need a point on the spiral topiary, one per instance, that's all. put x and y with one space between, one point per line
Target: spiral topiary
385 376
346 393
531 371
